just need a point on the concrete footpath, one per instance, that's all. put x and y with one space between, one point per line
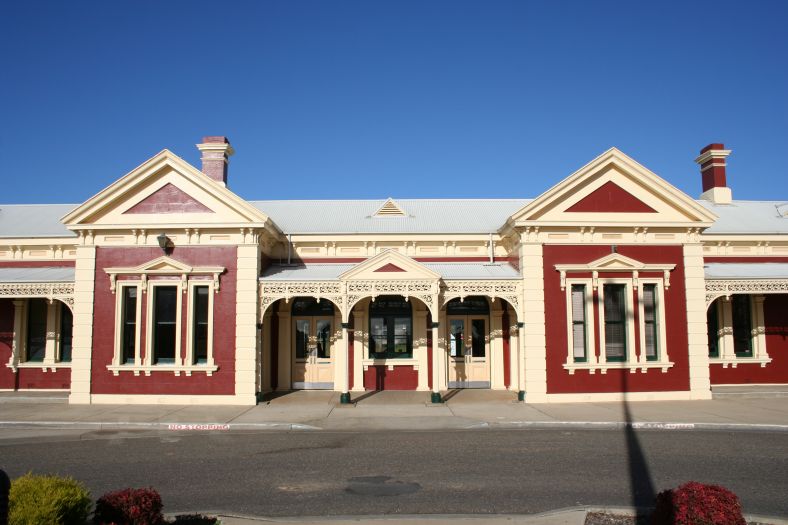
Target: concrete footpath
754 408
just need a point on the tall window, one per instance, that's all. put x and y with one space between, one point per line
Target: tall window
615 322
200 324
390 328
128 324
713 323
66 332
36 329
742 325
579 348
650 328
165 307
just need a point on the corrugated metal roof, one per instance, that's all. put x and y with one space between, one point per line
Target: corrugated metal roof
330 271
49 274
423 215
34 220
746 270
742 217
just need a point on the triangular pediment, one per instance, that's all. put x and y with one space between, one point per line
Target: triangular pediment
614 262
140 198
610 198
169 199
389 265
611 190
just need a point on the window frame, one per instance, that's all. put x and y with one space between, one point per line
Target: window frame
661 343
588 311
118 356
391 315
150 358
190 340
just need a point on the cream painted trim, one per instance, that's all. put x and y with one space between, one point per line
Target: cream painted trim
188 361
411 267
615 262
177 369
150 399
50 367
164 266
661 306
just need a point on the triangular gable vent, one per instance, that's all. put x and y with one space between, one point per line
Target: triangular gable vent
390 209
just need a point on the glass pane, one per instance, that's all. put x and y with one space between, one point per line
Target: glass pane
36 329
650 320
401 345
378 337
742 325
478 334
324 339
200 326
129 328
714 327
66 332
579 322
164 323
302 338
615 318
456 332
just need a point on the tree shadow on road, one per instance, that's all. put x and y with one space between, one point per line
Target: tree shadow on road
641 485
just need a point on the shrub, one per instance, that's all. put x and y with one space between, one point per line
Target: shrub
129 507
697 504
48 499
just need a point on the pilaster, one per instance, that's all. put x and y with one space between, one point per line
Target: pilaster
533 333
697 331
246 305
82 342
496 350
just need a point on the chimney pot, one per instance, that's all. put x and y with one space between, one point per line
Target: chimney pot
216 151
712 168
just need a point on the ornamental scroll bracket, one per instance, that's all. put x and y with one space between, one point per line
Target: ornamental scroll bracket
63 292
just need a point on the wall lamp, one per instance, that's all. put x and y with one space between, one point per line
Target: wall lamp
165 243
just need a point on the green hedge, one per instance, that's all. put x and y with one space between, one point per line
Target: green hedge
54 500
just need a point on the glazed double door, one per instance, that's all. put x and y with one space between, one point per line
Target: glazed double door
469 352
313 364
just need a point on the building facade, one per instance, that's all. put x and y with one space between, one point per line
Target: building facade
166 287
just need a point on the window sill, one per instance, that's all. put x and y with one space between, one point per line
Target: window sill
176 369
45 367
733 362
616 365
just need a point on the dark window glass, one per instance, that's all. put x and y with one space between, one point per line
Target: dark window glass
650 320
36 329
200 326
579 322
165 303
310 306
129 324
323 329
468 306
615 322
302 338
713 323
66 332
742 325
390 328
478 346
456 338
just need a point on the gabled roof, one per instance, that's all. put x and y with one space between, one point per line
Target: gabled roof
755 270
743 217
34 220
652 200
332 271
163 169
392 265
48 274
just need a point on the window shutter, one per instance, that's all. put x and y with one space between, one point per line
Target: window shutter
578 321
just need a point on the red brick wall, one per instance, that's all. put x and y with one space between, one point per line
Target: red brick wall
379 377
558 379
221 382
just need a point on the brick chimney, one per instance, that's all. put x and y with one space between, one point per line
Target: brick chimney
712 169
216 153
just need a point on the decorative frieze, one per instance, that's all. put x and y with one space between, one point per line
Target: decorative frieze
724 287
61 291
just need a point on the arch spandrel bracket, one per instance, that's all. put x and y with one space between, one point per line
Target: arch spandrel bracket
510 291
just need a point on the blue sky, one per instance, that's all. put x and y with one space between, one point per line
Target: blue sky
370 99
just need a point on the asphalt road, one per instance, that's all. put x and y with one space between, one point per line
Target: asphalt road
455 472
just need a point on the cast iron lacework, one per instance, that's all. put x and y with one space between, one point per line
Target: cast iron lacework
61 291
716 288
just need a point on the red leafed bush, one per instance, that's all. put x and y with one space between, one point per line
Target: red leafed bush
697 504
129 507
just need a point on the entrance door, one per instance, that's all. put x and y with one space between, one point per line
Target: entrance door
469 350
313 366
